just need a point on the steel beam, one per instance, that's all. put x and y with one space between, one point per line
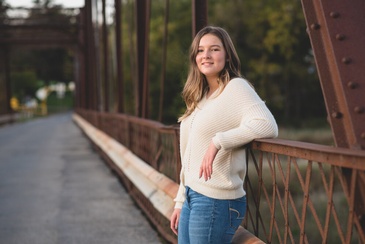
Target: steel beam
80 67
119 55
49 42
105 58
337 34
143 8
5 88
200 15
8 93
92 74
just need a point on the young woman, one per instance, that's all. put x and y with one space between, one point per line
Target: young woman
223 114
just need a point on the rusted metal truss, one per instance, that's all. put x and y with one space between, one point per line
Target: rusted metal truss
200 15
36 31
143 9
337 33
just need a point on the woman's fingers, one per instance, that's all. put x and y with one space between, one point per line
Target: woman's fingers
206 168
174 220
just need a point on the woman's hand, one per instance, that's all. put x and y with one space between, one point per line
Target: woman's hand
206 168
174 220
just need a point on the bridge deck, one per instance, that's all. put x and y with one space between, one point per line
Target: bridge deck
55 189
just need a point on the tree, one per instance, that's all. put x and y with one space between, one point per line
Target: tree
25 84
179 39
275 51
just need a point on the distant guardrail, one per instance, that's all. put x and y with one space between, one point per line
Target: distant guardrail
8 118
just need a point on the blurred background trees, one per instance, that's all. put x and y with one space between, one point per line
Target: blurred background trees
276 55
273 45
270 37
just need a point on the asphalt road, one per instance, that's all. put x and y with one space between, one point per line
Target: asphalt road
55 189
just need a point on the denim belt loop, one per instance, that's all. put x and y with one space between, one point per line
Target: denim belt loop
187 190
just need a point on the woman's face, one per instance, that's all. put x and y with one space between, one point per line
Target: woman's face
211 56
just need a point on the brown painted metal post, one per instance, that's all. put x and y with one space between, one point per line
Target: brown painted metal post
2 82
200 15
337 34
93 87
119 55
106 58
80 56
143 8
89 82
7 81
5 84
96 56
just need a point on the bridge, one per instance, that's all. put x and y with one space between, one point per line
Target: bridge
297 192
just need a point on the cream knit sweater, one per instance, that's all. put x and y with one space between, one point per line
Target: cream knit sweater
232 119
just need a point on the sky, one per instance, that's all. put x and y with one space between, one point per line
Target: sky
29 3
64 3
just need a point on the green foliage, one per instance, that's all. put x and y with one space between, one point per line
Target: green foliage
53 64
275 51
270 38
179 38
24 84
50 63
129 54
56 104
317 133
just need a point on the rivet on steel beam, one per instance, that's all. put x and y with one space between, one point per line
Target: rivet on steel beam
352 85
336 115
335 15
315 26
346 60
359 109
340 37
363 135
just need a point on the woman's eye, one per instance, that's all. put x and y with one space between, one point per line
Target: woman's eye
215 49
200 50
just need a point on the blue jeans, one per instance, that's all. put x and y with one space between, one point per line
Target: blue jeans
204 220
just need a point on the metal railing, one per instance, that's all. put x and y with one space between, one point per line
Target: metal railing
153 142
303 193
297 192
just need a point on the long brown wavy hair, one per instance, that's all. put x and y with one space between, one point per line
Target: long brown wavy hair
196 84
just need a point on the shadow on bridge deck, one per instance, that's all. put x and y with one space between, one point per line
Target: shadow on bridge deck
55 189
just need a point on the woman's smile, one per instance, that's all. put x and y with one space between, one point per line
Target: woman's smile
211 56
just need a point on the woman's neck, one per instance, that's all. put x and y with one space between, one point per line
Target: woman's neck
212 87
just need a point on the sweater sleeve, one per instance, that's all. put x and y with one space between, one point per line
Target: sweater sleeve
256 122
180 196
